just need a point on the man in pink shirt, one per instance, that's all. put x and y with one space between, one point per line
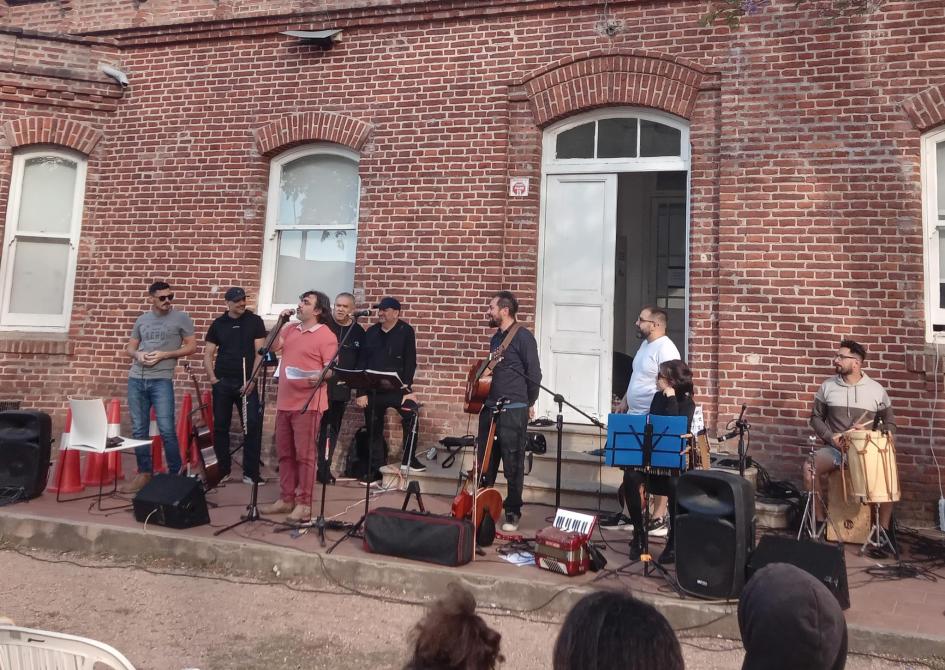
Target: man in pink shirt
307 346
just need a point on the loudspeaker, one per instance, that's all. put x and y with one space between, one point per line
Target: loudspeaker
715 532
825 562
175 501
25 446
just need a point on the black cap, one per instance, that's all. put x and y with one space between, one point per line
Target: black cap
234 294
388 303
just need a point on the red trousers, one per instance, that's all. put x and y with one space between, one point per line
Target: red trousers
296 436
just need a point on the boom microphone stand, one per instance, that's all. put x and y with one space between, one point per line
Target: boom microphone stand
741 427
266 358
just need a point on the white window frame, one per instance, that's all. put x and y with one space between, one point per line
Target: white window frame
271 244
19 321
934 315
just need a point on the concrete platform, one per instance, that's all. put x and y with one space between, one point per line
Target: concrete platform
904 617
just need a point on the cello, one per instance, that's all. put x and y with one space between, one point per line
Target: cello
485 504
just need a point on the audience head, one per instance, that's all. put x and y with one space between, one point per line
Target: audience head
611 630
788 619
453 637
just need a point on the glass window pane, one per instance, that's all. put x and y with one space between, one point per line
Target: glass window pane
941 266
39 277
617 138
322 260
576 143
658 139
940 169
319 190
47 195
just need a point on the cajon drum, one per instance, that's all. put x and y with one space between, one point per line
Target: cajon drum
846 515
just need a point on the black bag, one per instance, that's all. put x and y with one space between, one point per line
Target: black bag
356 464
419 536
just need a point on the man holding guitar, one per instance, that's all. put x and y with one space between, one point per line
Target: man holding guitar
515 373
230 355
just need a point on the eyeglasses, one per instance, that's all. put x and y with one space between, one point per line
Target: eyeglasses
165 298
645 321
844 357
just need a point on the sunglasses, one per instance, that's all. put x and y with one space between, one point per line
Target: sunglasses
165 298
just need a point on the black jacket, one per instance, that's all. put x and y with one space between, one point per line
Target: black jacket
520 358
663 405
393 351
348 356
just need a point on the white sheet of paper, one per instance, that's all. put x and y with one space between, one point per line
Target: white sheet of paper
299 373
520 558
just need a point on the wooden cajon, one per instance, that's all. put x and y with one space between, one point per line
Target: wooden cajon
845 513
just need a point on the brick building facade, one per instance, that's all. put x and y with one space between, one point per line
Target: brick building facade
804 177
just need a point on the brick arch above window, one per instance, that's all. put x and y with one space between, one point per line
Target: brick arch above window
926 109
600 79
51 130
308 127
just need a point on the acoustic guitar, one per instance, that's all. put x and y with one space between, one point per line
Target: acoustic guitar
487 502
478 385
202 438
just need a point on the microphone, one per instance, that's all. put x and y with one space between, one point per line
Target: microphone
362 312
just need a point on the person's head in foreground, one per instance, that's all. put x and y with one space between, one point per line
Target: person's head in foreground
453 637
611 630
788 619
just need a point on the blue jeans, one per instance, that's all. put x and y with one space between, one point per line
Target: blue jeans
143 394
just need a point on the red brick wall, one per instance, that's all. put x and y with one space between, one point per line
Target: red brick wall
806 210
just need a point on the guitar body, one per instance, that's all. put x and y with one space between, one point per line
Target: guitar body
477 387
209 468
489 501
462 505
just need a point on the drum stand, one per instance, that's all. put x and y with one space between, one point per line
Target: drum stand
878 539
809 518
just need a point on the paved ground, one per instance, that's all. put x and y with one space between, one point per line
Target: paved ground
165 620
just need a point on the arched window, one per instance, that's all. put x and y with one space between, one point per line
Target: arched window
933 205
41 240
311 225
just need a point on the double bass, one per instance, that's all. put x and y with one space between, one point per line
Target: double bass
486 503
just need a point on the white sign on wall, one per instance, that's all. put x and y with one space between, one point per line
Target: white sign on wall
518 187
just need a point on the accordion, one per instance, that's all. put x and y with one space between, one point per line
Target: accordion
561 551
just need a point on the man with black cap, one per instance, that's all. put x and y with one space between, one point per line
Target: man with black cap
233 340
390 345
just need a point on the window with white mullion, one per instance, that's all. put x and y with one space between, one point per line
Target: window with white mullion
44 212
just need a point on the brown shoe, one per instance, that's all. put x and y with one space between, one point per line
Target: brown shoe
139 482
277 507
301 514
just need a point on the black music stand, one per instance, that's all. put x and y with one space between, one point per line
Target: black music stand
371 381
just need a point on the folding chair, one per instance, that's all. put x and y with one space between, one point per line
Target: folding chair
90 433
28 648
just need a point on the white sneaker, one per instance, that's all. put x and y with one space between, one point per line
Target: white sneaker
659 528
511 522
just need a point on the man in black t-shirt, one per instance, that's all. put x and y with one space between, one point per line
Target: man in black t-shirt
346 329
234 339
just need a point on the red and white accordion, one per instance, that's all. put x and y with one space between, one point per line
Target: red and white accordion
562 548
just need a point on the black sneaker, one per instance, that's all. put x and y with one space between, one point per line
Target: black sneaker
636 548
369 480
616 521
259 480
668 557
415 466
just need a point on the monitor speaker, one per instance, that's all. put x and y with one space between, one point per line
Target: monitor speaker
825 562
175 501
715 532
25 450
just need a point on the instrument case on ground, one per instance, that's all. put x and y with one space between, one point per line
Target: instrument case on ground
560 551
419 536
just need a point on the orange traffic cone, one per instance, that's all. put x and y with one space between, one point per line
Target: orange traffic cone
113 460
157 445
68 478
184 429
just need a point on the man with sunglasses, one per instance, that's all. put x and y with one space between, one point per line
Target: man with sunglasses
159 337
850 400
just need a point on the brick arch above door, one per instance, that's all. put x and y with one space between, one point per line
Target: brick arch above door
599 79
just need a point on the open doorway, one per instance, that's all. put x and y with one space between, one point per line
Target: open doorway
650 261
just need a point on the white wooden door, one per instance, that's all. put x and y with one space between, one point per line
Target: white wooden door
577 291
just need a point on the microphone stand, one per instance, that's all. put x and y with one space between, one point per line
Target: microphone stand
252 510
559 427
741 427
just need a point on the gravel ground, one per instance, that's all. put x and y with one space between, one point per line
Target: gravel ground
182 621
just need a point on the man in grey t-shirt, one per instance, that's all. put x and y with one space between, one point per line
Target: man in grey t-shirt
159 337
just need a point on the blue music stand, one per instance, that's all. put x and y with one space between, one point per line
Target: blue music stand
629 436
625 439
669 445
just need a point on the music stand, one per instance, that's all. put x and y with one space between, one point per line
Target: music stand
643 442
371 381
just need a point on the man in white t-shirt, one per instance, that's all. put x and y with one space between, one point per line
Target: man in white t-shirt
655 349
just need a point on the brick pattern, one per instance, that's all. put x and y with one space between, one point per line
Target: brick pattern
805 193
311 127
51 130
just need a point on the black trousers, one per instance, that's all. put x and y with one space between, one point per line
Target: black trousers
226 394
509 446
328 433
662 485
408 421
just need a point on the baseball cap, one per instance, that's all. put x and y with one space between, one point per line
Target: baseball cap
388 303
234 294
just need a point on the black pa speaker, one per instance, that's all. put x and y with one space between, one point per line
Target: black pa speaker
175 501
715 532
825 562
25 446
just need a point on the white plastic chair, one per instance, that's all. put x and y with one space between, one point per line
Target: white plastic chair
30 649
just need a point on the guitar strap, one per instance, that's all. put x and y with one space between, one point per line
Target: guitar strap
497 354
